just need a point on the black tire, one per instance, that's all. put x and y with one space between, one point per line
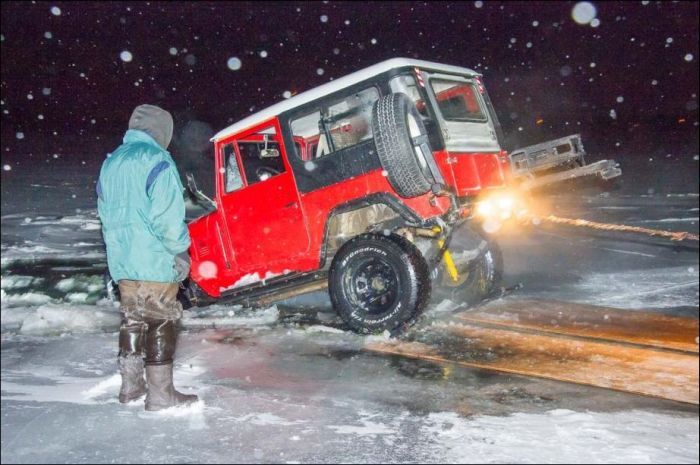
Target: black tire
407 171
378 283
479 261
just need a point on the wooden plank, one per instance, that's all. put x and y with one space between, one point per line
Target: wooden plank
640 370
579 320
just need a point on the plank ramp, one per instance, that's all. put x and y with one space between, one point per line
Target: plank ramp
638 352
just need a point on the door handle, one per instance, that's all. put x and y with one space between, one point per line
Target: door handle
292 204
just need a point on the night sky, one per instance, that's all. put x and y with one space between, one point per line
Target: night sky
73 71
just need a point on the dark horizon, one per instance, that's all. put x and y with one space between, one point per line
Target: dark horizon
635 72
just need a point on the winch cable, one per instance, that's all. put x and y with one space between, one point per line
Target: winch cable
674 236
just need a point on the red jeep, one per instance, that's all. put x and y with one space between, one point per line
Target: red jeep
356 185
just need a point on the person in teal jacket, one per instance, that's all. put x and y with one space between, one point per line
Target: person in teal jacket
140 204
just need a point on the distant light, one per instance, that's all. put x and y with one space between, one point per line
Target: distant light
234 63
173 51
126 56
56 11
48 35
324 18
688 57
583 12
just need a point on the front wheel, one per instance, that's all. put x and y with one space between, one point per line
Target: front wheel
378 283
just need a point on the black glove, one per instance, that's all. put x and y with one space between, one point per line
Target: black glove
181 266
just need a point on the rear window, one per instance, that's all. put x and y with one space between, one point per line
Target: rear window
458 101
344 123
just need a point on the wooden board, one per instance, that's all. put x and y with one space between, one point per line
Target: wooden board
579 320
623 367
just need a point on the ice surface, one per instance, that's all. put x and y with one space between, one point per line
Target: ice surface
289 384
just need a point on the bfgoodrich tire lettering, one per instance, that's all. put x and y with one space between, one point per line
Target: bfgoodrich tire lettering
395 125
378 283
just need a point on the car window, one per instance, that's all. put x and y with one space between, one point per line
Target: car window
340 125
406 84
232 175
457 101
261 160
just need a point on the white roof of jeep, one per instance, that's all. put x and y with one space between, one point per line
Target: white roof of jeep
334 86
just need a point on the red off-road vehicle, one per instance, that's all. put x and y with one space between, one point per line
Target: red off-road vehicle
357 185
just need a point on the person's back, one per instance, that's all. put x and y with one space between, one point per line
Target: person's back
142 211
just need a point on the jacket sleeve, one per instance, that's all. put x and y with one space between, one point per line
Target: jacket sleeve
167 214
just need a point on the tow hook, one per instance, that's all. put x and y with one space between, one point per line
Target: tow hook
442 190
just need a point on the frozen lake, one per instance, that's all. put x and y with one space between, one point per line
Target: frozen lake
288 384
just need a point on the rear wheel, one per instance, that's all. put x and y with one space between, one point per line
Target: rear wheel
378 283
479 261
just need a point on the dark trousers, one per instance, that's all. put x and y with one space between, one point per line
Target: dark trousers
149 324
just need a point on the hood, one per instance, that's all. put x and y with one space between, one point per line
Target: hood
155 122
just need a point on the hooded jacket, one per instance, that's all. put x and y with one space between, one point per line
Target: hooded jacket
140 202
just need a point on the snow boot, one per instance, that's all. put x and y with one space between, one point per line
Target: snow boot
160 348
131 337
133 384
161 392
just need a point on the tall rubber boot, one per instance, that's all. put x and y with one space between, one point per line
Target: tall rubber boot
160 347
131 339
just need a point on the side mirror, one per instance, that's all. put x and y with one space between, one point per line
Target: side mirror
269 153
197 195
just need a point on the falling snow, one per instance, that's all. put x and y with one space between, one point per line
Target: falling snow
583 12
234 63
126 56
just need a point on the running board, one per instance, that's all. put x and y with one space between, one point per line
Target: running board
276 289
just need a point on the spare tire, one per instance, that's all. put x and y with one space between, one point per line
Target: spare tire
399 134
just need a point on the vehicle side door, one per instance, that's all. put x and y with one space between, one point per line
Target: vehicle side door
260 203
